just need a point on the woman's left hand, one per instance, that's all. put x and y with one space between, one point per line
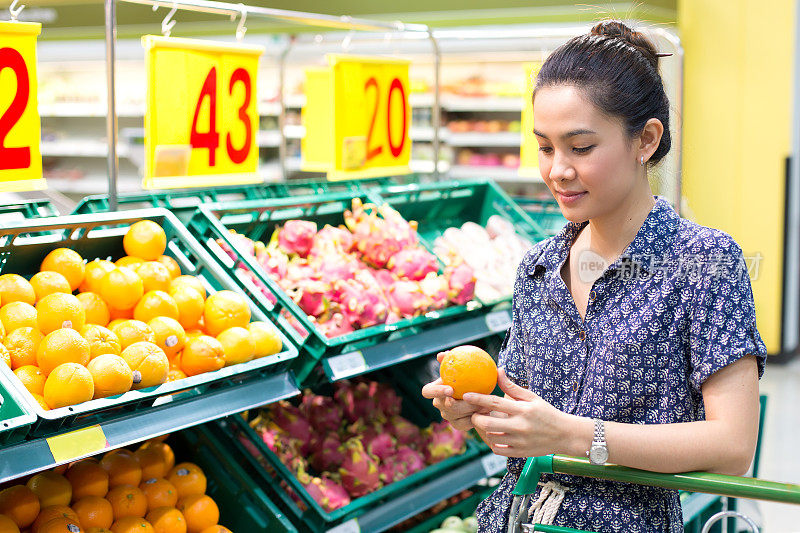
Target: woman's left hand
519 425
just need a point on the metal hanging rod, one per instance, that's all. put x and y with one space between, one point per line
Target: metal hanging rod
297 17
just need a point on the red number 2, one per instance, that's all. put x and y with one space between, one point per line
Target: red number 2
13 158
210 139
372 152
239 156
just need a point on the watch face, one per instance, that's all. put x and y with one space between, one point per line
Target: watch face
598 455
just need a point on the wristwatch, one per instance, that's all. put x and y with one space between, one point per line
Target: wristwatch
598 452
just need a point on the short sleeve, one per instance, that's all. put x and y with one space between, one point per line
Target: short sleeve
723 316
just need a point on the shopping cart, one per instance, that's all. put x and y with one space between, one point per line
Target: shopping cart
731 486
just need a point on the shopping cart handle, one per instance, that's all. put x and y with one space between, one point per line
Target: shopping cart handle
733 486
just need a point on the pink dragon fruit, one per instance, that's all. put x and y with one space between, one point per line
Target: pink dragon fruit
461 281
242 244
384 278
335 266
435 288
361 308
321 411
294 323
290 419
327 454
407 299
274 262
335 325
357 401
311 296
413 264
412 459
443 442
382 446
325 491
378 239
359 470
406 433
389 403
296 237
329 239
244 272
392 469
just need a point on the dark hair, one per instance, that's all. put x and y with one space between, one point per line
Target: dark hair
618 70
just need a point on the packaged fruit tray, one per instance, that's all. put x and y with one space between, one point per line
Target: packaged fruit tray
546 212
345 294
371 443
16 416
101 236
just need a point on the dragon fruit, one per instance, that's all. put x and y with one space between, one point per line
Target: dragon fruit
435 288
392 469
291 420
406 433
359 470
461 282
321 411
325 491
357 401
407 299
311 296
296 237
443 441
294 323
376 238
335 325
389 403
413 264
335 266
274 262
245 273
412 459
330 239
361 308
327 454
382 446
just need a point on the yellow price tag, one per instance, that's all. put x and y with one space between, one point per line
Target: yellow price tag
529 147
79 443
201 119
20 126
357 118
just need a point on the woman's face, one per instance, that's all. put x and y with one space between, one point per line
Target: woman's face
586 158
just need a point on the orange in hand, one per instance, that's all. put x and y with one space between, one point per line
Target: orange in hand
468 369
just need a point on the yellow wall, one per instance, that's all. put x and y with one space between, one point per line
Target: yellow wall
737 131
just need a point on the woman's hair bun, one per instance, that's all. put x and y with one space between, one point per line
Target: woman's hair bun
616 29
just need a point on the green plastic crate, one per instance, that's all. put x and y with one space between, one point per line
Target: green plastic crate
275 478
257 220
545 212
243 506
27 209
462 509
16 416
100 235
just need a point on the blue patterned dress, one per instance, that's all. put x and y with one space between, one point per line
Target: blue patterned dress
674 308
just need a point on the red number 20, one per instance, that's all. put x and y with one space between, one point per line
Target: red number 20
13 158
396 149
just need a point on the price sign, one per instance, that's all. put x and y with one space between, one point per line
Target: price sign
20 126
201 119
79 443
346 365
359 109
529 147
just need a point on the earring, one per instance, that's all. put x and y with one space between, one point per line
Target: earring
642 160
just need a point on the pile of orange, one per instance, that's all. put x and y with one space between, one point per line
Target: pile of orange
81 330
124 492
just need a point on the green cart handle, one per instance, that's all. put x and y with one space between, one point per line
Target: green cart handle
705 482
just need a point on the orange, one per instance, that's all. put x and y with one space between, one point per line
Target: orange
7 525
88 478
122 468
132 524
94 511
190 305
167 519
127 500
169 333
111 375
202 354
20 504
59 310
163 449
153 304
468 369
68 263
145 239
32 378
188 478
40 400
190 281
172 266
133 331
156 276
266 338
200 512
237 344
122 288
159 493
191 333
175 374
68 384
49 282
51 513
119 315
95 270
111 325
128 261
101 340
15 288
148 362
51 488
17 315
223 310
95 308
216 529
5 356
152 462
61 525
22 344
98 530
62 346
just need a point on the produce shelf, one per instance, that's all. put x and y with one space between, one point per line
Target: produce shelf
16 416
100 235
125 428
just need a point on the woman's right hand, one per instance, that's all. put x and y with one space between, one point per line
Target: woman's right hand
457 412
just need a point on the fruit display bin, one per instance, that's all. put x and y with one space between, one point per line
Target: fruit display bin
100 235
378 510
16 416
25 209
257 219
546 212
243 506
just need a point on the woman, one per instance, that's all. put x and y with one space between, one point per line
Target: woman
634 332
